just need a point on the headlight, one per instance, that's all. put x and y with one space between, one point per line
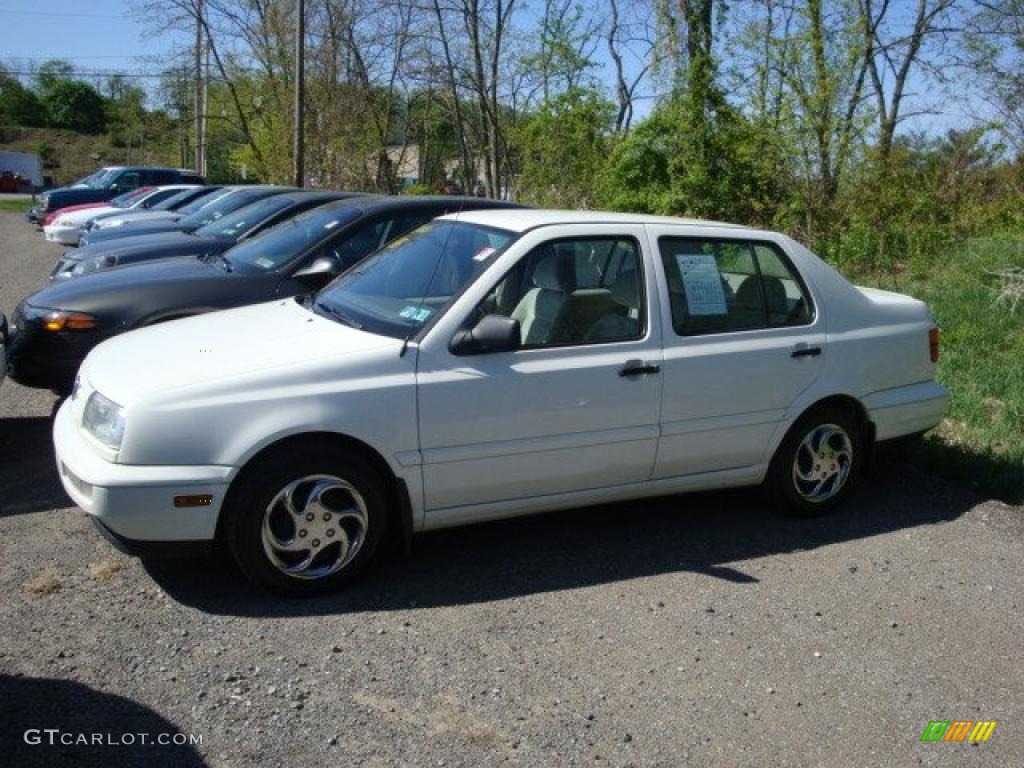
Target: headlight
94 265
104 420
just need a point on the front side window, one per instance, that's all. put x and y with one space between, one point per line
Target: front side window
129 180
411 280
720 286
574 291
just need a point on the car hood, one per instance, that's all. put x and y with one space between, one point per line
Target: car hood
141 217
215 352
110 291
135 229
145 247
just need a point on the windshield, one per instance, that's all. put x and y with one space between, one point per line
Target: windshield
94 179
409 281
234 225
221 207
202 201
125 200
168 204
279 245
100 179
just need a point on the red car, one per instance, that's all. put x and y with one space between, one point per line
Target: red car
126 199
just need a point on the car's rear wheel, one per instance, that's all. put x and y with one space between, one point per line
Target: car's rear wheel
306 521
819 463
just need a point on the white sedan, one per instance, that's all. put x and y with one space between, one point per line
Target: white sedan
67 227
492 364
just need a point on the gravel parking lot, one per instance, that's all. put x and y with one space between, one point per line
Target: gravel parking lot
686 630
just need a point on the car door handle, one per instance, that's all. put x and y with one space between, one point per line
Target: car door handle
805 351
638 368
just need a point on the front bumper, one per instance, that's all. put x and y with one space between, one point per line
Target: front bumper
907 410
135 503
45 359
62 235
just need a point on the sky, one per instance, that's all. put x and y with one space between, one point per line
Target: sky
103 35
97 35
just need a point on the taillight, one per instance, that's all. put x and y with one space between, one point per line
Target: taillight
933 344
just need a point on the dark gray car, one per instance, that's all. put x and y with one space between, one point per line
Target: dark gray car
215 237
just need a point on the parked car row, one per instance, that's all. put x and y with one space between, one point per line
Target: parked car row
327 369
65 225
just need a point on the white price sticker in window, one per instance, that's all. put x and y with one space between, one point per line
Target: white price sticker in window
702 283
483 254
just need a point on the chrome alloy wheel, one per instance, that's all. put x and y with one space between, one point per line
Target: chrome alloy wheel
822 463
314 526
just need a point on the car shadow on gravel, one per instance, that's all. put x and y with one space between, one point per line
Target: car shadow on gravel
28 474
700 533
30 705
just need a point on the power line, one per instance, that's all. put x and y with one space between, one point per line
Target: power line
79 75
62 57
53 15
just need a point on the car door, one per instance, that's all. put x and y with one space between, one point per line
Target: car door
743 340
577 406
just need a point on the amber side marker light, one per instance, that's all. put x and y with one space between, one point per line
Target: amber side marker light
200 500
933 344
74 321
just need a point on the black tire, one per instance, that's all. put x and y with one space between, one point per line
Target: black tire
791 493
265 482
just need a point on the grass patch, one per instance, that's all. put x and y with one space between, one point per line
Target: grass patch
46 583
980 444
104 570
15 206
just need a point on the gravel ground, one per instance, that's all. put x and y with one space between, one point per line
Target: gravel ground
700 630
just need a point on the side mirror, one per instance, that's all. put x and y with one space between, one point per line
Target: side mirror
319 271
494 333
114 188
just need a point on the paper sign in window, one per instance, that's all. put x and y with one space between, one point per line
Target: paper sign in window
702 284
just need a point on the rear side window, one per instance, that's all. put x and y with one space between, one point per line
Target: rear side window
163 177
721 286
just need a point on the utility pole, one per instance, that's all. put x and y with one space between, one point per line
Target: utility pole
206 104
298 143
199 86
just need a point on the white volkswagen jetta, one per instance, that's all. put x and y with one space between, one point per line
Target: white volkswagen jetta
492 364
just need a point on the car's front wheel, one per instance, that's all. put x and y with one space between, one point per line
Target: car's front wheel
306 521
819 463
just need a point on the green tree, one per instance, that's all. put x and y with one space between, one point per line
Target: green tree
563 147
19 105
75 105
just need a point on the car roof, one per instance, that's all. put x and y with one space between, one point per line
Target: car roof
305 195
378 203
522 219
